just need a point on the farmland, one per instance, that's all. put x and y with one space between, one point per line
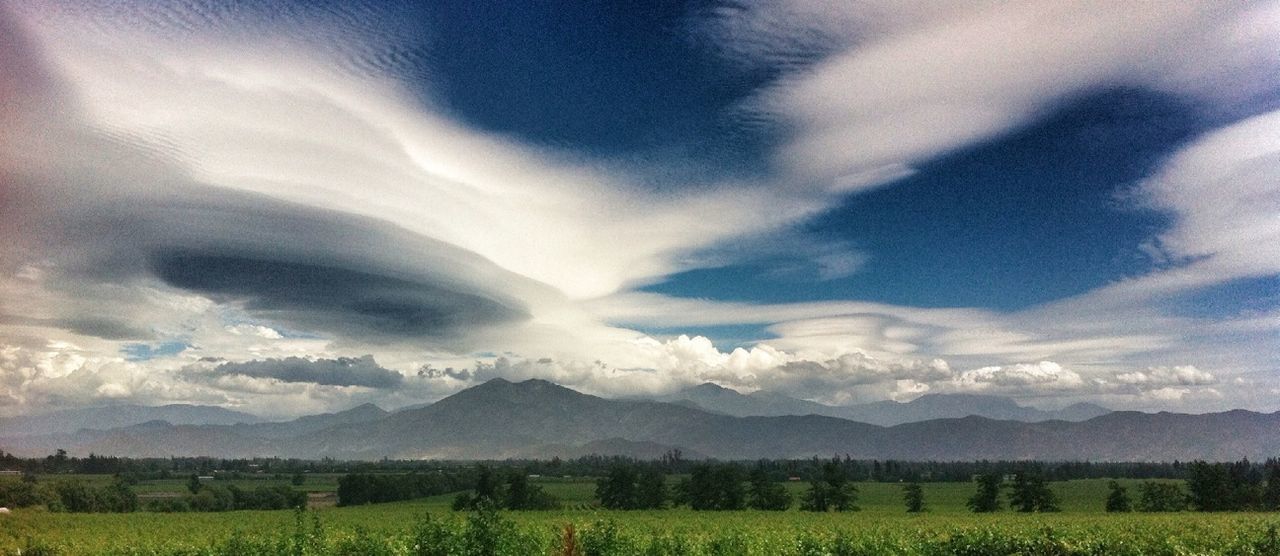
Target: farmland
881 526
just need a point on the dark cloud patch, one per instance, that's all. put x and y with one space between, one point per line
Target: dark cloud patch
427 371
322 296
343 371
105 328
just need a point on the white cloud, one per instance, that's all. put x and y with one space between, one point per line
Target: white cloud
1181 375
918 80
1042 376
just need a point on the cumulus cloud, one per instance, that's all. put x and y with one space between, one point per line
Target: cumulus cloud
1157 376
343 371
1045 375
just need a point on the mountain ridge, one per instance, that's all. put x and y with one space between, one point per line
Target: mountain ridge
502 419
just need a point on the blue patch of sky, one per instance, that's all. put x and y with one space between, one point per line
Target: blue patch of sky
1243 298
1024 219
611 80
147 352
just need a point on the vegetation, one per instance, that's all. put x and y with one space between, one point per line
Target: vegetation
913 497
1118 498
517 494
1030 493
831 490
582 524
1161 497
987 498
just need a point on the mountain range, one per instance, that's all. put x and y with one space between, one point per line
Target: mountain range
535 418
718 399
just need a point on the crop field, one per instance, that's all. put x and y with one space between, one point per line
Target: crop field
428 526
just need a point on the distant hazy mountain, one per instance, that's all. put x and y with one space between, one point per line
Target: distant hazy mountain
110 417
718 399
500 419
304 425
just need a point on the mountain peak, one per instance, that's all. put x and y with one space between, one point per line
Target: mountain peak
711 388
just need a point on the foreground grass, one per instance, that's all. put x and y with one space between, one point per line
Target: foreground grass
882 527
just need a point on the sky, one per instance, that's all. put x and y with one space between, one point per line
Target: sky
300 207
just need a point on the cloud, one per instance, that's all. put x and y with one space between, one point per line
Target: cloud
1042 376
343 371
890 84
1159 376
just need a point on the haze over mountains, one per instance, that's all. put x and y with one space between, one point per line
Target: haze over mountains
535 418
718 399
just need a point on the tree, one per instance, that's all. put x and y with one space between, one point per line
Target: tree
1161 497
830 491
765 494
487 486
520 495
617 490
1118 499
1031 493
1271 495
1208 487
913 497
987 498
713 487
651 489
193 483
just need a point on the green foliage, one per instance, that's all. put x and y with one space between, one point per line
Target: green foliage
372 488
765 494
1271 494
617 490
913 497
713 487
832 490
1118 498
1030 493
1217 487
1161 497
987 497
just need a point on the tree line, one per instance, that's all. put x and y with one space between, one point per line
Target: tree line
672 462
1210 487
721 487
370 488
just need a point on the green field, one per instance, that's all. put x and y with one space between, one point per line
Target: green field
881 527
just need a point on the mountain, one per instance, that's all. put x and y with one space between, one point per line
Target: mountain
312 423
718 399
116 416
955 406
535 418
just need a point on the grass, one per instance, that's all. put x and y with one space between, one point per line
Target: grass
881 526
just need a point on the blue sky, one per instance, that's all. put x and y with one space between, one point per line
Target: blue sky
839 201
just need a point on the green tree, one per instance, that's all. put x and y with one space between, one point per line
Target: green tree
617 490
1161 497
987 498
830 490
520 495
913 497
713 487
765 494
651 489
1271 494
193 483
1030 493
488 486
1118 498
